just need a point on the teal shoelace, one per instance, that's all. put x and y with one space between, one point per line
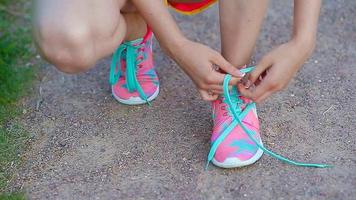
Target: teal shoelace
238 116
134 56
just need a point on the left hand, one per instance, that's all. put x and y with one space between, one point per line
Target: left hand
275 70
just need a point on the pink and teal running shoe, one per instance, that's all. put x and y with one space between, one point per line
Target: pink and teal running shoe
133 78
235 148
236 139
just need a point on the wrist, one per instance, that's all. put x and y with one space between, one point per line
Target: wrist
304 44
173 47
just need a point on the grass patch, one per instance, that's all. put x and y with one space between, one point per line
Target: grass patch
16 75
13 77
13 196
12 140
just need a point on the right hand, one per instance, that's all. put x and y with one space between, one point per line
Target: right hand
198 62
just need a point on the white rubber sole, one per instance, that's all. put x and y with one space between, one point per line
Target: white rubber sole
235 162
135 100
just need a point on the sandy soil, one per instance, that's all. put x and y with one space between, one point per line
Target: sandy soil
87 146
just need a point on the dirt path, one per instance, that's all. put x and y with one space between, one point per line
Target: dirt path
88 146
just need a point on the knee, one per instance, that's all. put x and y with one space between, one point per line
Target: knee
69 48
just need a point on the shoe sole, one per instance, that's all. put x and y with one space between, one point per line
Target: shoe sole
235 162
135 100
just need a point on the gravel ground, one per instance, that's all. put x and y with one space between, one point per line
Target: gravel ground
87 146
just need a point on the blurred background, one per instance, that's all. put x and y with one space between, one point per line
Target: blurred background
17 72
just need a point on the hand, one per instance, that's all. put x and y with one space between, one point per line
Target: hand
275 70
198 62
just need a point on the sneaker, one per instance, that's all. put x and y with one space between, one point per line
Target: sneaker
236 140
133 78
231 146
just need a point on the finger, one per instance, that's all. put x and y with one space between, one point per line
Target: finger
257 92
208 97
218 79
264 97
259 79
217 91
260 68
245 92
226 66
234 81
218 88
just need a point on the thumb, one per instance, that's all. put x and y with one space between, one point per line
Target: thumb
208 97
262 66
226 66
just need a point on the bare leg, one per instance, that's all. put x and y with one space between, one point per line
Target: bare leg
240 24
73 35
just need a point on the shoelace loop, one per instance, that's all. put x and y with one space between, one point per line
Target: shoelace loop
134 56
238 115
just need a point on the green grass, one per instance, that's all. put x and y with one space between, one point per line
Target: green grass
13 78
16 75
13 196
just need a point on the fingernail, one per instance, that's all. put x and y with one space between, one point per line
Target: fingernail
239 73
248 84
252 87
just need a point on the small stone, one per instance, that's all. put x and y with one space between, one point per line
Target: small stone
316 61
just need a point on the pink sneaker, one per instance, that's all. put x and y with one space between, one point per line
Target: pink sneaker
236 140
231 146
132 74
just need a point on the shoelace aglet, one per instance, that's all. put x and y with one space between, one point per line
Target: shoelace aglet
148 103
323 166
207 165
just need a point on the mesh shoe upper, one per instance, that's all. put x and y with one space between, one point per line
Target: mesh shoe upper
132 70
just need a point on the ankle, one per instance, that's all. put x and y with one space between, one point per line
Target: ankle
136 26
